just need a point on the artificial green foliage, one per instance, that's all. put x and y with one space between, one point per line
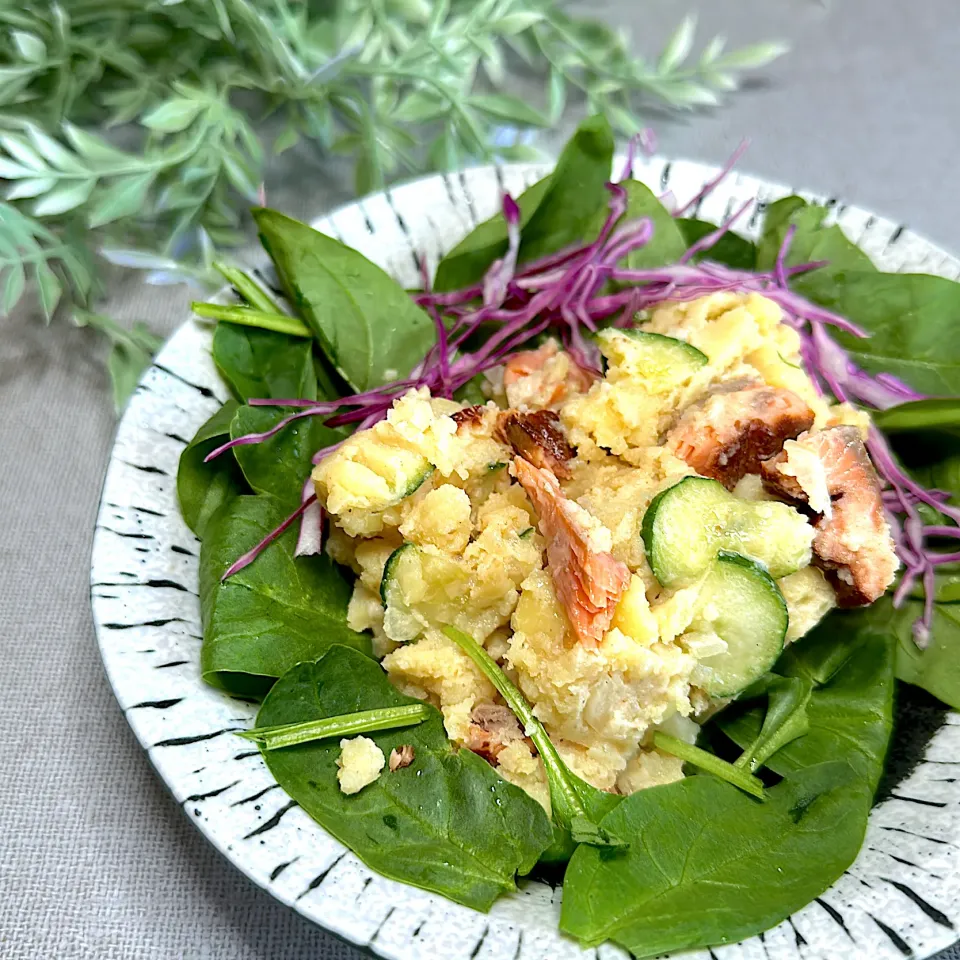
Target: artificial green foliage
139 128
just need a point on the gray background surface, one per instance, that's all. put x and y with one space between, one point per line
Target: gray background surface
96 859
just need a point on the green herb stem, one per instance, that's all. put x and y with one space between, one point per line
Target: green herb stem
248 288
710 763
347 725
577 806
248 317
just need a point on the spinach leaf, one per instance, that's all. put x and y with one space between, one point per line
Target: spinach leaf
910 318
559 210
202 488
666 245
276 612
938 414
731 249
576 192
811 241
446 823
937 668
262 363
578 807
708 864
849 665
281 464
470 259
786 718
711 865
367 323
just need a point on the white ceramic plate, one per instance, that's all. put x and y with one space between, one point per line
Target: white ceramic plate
901 897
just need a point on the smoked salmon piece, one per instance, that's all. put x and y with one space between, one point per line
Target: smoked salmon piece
544 377
492 727
587 578
732 433
536 437
831 471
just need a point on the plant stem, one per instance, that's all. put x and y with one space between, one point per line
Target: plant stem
710 763
245 316
532 727
248 288
347 725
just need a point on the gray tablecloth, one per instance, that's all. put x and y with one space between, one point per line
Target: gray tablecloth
96 860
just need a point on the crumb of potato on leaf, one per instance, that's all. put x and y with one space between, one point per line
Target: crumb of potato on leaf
359 763
401 757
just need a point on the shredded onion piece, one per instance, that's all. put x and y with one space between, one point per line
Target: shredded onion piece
310 539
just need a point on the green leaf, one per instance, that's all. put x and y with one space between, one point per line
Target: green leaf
49 289
575 193
261 363
731 249
172 115
937 668
203 488
812 241
53 152
446 823
24 189
420 106
503 106
666 245
941 414
470 259
556 95
18 148
701 841
287 138
517 22
13 287
679 45
849 662
757 55
123 198
910 318
277 612
691 849
786 718
280 465
29 46
366 322
126 365
65 198
95 149
240 177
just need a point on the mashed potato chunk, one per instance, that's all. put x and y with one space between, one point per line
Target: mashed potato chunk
359 763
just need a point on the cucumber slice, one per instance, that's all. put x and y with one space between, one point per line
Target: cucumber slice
661 362
402 568
419 587
741 604
687 524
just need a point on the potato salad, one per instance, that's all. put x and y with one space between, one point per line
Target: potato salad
633 549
